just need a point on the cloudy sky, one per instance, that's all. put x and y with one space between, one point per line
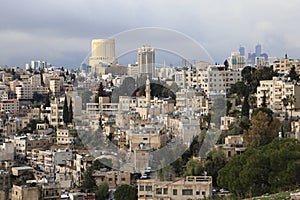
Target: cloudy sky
60 31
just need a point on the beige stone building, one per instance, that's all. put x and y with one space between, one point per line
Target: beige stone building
56 114
284 65
275 90
25 192
233 146
112 178
226 121
10 105
191 187
65 136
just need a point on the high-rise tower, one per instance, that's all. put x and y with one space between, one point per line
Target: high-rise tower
103 54
146 61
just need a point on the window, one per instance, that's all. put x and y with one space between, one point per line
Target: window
142 188
203 193
158 191
197 192
148 188
187 192
165 190
174 191
123 179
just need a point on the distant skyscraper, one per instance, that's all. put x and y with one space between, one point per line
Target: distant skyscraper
242 51
146 60
258 50
103 54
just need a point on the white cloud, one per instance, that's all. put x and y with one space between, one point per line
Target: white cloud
221 26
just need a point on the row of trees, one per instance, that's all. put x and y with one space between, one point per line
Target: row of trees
268 169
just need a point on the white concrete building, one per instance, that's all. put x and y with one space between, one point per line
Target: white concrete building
275 90
103 54
24 91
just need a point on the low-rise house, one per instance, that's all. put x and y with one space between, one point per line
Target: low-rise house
112 178
191 187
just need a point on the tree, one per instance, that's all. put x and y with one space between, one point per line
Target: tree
252 100
268 169
101 92
226 63
126 192
264 101
70 114
102 191
285 103
262 131
47 101
240 89
193 168
65 111
291 99
245 107
215 160
293 74
88 182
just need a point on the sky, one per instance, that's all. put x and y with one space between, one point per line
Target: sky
60 32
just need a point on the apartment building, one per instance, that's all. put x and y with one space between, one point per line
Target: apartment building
7 151
191 187
24 91
284 65
65 136
11 105
25 192
55 86
24 144
214 78
275 90
47 159
56 113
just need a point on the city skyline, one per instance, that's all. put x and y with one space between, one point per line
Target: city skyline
62 34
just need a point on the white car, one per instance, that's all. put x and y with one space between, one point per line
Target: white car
144 176
148 170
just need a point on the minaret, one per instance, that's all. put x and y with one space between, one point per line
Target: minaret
148 91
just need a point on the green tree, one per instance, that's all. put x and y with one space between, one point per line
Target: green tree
101 91
226 63
88 183
215 160
193 168
285 103
239 88
245 107
264 101
65 111
291 99
252 101
126 192
293 74
102 191
47 101
70 114
268 169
